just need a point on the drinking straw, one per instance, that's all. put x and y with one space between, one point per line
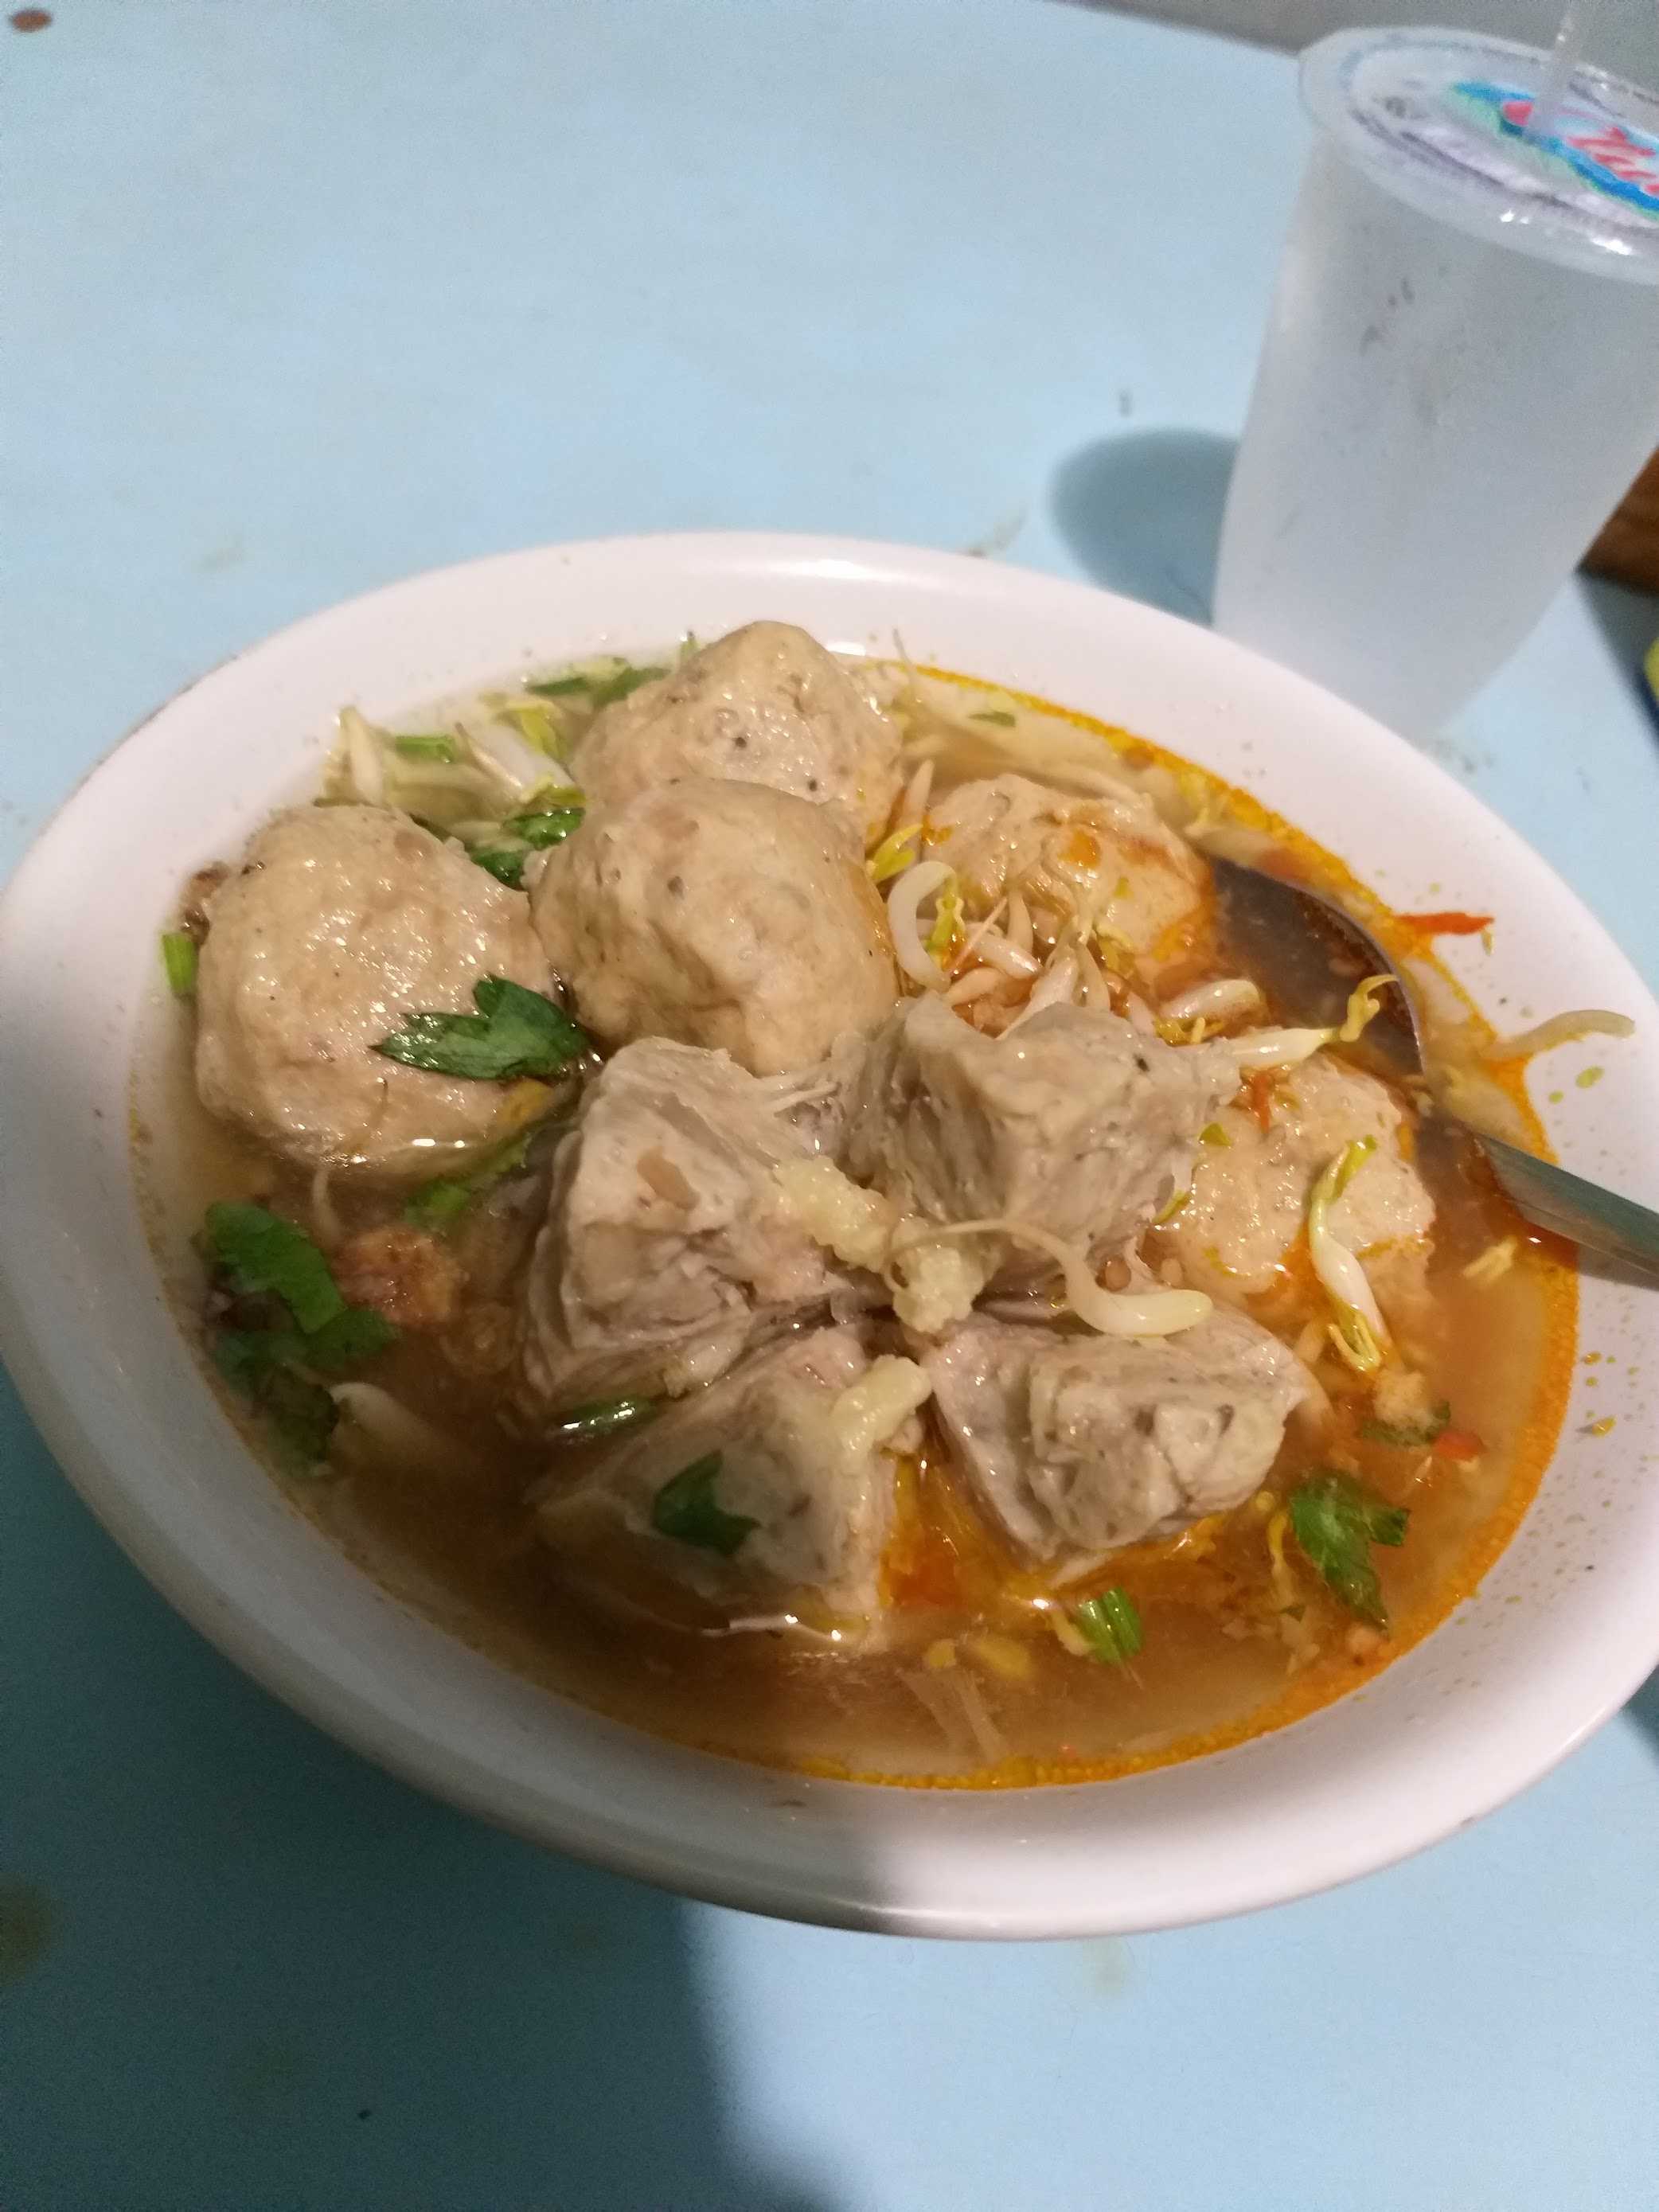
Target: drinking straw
1568 51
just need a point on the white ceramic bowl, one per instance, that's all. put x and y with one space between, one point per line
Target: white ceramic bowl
1561 1632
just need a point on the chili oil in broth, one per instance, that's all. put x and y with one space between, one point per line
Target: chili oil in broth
971 1688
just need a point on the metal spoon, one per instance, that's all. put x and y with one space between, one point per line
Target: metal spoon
1315 954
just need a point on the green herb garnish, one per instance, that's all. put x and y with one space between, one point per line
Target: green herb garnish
514 1032
301 1411
436 1205
1336 1520
605 690
436 748
259 1251
684 1509
1111 1625
586 1424
562 687
504 862
261 1255
1406 1436
544 826
178 959
350 1339
999 715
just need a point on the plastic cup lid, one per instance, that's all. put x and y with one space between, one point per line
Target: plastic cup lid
1436 118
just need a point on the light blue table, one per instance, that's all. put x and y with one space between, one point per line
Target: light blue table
305 298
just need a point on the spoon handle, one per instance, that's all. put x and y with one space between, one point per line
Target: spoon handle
1596 1220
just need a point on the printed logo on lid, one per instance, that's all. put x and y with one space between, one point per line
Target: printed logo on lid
1601 151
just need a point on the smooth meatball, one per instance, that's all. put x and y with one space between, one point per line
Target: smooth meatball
341 920
723 914
766 705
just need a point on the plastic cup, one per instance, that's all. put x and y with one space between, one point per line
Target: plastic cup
1461 377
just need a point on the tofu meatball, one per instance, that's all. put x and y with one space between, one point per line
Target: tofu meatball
341 920
721 914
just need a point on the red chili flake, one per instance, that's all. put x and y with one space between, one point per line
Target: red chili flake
1451 923
1259 1083
30 19
1461 1445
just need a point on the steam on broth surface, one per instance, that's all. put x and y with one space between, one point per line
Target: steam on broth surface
759 1193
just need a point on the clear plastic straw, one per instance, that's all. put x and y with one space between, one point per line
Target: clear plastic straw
1568 51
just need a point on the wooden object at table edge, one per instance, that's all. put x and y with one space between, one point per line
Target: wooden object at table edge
1628 549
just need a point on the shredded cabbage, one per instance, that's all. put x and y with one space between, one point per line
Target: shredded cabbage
1560 1029
484 782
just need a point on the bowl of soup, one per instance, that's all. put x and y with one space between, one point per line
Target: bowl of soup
649 1178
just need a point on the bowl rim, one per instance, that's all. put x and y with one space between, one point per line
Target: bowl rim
235 1627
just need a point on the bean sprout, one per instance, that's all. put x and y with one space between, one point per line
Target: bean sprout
1113 1313
1216 1002
923 880
976 984
997 949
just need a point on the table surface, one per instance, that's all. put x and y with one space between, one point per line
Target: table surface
306 299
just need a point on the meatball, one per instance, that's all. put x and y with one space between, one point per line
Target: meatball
774 1485
721 914
341 920
1111 862
1248 1202
765 705
407 1275
1075 1444
666 1248
1074 1123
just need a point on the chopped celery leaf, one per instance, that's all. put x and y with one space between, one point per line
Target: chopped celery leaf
514 1032
504 862
544 826
684 1510
1336 1520
301 1411
259 1251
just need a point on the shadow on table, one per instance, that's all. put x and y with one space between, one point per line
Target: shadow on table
1141 513
261 1973
1628 621
1643 1710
